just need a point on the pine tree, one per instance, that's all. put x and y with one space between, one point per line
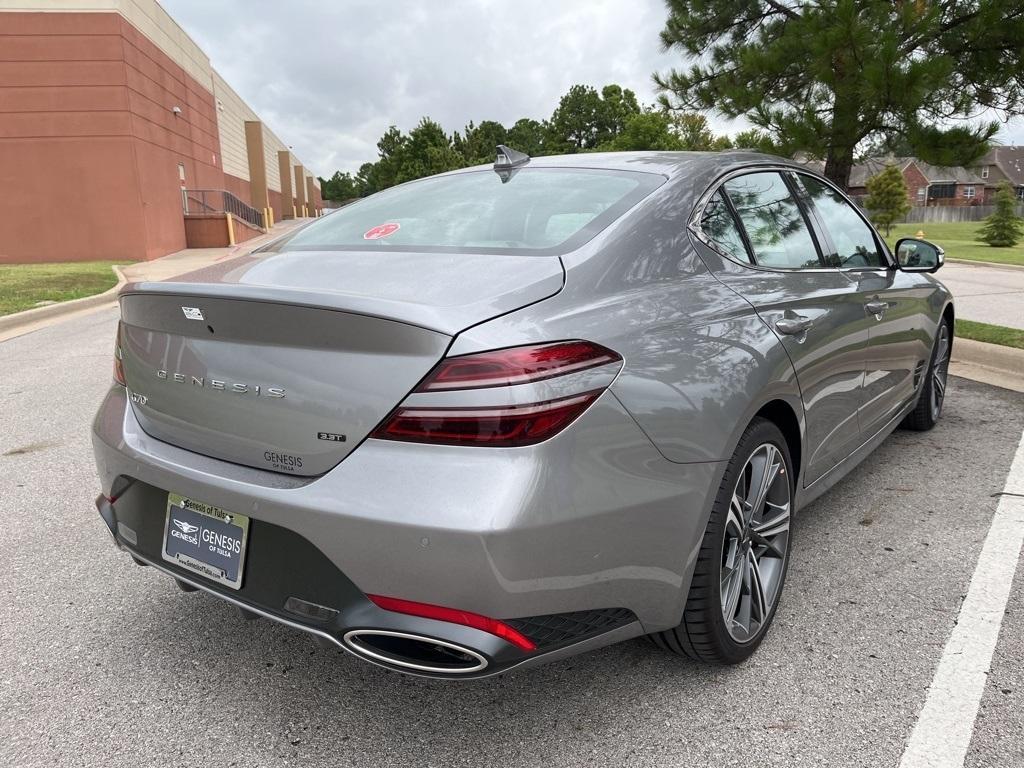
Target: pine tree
827 76
887 197
1004 227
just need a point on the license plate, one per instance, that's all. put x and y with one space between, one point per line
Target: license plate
205 539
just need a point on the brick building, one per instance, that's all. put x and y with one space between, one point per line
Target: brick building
118 140
1003 164
926 184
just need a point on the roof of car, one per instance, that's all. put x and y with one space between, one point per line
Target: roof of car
668 164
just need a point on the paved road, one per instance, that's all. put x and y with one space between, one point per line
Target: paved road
104 663
987 294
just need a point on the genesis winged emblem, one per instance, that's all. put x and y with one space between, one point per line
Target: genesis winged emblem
185 527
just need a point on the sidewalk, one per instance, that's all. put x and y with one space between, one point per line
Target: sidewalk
985 292
191 259
163 268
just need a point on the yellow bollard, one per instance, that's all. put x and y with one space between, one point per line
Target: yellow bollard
231 228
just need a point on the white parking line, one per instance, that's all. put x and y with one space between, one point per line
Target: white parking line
943 730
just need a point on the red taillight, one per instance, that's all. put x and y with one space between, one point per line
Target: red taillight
516 365
503 424
508 426
118 366
455 616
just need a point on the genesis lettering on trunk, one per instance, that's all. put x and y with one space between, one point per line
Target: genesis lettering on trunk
221 385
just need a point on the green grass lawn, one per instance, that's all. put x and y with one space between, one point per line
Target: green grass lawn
23 286
960 241
993 334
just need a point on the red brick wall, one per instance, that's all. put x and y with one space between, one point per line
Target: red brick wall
275 203
240 188
915 181
88 137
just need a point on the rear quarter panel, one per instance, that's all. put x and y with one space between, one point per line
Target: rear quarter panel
699 362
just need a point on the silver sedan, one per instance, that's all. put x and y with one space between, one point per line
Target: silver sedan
504 415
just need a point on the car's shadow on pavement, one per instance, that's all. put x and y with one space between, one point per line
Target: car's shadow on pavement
878 568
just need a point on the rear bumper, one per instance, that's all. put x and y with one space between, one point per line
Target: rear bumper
355 621
592 520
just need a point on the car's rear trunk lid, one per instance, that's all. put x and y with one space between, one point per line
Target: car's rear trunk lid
292 375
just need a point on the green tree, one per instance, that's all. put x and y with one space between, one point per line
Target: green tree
652 130
427 151
585 119
618 107
823 77
478 142
757 140
576 124
341 186
695 133
887 198
527 136
1004 227
386 172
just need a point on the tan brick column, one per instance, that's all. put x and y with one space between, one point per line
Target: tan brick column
284 164
300 191
257 168
311 195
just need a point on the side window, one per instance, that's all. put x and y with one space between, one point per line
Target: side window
774 223
854 241
718 224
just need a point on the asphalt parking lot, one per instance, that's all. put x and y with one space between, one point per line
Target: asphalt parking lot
105 663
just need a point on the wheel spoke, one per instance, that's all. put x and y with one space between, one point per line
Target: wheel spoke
942 353
732 586
940 383
761 479
774 525
770 532
758 598
734 521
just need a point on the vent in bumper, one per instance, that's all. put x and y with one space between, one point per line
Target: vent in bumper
563 628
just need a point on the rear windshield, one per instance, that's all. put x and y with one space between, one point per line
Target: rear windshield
539 211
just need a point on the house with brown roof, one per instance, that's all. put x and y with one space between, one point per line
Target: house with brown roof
927 184
1003 164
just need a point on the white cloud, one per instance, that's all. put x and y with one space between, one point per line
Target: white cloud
330 77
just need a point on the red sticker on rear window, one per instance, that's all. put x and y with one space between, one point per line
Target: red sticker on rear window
381 230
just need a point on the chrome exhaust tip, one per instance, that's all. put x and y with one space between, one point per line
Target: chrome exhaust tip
414 652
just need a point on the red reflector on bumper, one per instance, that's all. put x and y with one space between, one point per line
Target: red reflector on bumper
455 616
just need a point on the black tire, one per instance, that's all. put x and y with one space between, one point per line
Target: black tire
928 409
703 633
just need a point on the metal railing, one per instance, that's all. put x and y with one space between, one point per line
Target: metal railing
219 201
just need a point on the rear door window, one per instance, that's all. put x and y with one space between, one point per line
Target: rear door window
719 225
773 220
538 211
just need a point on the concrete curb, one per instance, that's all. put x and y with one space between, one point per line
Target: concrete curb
976 263
31 316
989 363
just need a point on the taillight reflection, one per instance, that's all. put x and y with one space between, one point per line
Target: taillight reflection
516 365
118 365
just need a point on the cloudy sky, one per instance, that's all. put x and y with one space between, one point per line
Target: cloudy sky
330 76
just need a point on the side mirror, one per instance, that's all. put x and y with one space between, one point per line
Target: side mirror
915 255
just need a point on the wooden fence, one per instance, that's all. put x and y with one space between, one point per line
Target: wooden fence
952 213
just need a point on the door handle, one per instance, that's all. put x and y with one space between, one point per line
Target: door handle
791 326
876 307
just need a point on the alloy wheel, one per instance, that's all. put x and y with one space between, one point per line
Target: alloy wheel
940 370
756 543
